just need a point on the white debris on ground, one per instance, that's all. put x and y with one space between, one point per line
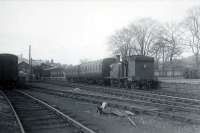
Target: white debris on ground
120 113
76 89
103 105
129 112
108 110
132 122
104 109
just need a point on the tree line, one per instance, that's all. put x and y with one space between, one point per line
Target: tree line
164 41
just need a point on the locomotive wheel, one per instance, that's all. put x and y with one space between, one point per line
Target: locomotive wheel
133 85
111 83
119 84
127 85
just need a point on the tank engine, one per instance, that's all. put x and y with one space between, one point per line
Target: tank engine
8 70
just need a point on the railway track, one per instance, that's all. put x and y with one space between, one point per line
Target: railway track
154 98
9 120
157 92
173 112
37 116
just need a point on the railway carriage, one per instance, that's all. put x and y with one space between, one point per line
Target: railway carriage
8 70
96 71
91 72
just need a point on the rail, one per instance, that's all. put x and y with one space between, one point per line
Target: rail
16 116
74 122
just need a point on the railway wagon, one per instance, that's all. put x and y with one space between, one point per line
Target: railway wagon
8 70
135 72
96 71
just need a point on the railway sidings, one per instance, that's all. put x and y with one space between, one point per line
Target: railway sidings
153 112
86 112
177 108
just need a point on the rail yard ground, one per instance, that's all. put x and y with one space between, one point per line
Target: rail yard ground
186 87
180 80
85 110
175 108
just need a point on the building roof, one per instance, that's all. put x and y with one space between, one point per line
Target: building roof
23 62
54 68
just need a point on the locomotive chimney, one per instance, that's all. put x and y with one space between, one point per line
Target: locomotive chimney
118 58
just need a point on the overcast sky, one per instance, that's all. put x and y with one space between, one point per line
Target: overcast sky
68 31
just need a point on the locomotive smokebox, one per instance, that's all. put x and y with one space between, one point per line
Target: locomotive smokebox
118 58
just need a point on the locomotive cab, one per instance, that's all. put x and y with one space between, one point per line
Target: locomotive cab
118 73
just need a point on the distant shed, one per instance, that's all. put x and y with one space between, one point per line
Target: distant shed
55 73
24 67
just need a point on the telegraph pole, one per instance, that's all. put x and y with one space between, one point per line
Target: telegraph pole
163 65
30 63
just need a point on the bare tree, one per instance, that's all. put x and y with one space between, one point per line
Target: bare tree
192 32
156 52
172 37
159 51
137 38
144 35
167 46
120 43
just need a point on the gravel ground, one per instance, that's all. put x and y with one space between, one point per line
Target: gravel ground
150 107
184 88
189 87
187 81
114 124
